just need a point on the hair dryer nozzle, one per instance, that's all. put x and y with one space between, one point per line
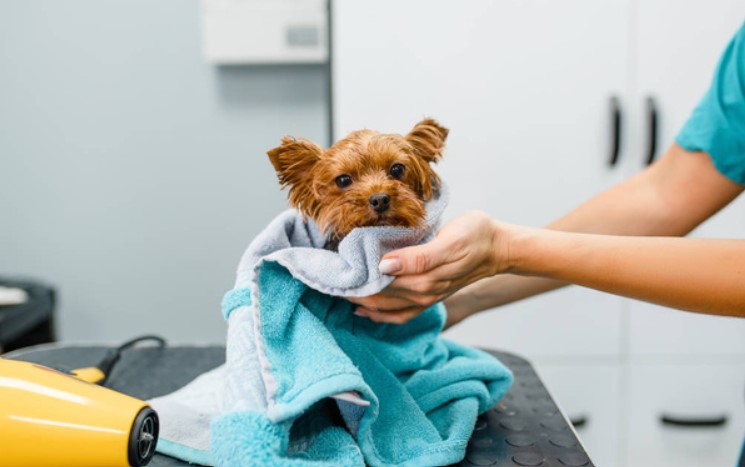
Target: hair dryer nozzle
143 437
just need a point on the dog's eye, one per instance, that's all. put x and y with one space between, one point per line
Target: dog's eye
397 171
343 181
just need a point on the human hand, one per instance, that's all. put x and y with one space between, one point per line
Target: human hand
466 249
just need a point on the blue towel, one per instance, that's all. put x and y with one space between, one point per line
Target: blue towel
307 382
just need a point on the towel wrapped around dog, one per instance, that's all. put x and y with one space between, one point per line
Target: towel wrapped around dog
307 382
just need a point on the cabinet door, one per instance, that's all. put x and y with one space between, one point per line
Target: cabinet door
680 42
590 394
685 393
525 88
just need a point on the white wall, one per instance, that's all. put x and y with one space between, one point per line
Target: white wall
132 173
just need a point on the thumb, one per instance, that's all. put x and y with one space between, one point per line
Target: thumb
413 260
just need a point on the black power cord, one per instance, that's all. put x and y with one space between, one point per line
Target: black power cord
113 355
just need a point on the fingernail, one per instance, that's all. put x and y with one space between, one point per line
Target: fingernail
360 312
390 266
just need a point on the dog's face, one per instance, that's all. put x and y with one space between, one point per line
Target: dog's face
365 179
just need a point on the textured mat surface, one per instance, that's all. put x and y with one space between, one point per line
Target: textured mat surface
525 429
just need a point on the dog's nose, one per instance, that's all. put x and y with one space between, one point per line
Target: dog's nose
380 202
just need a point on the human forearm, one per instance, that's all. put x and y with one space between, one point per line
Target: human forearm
704 275
634 207
496 291
668 199
625 209
631 208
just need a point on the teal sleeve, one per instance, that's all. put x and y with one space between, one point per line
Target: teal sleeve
717 124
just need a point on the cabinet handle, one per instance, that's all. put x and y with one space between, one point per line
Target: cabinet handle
615 122
579 421
651 111
694 422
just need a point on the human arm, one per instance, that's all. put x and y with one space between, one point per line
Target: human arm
669 198
703 275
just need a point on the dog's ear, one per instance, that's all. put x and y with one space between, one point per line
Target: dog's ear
428 139
294 160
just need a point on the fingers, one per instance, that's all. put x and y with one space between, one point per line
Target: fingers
439 281
416 259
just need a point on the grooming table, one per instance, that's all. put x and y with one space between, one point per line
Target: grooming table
525 429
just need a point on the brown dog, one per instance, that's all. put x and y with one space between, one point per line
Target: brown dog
366 179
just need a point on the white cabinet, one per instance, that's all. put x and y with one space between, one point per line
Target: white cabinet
656 330
678 360
525 87
705 392
679 44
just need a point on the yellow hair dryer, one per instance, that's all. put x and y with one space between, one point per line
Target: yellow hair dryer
52 418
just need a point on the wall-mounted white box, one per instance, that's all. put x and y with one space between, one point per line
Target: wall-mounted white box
265 31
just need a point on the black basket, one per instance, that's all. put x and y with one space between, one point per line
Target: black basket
28 323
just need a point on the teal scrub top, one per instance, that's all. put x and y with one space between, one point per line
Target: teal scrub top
717 124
